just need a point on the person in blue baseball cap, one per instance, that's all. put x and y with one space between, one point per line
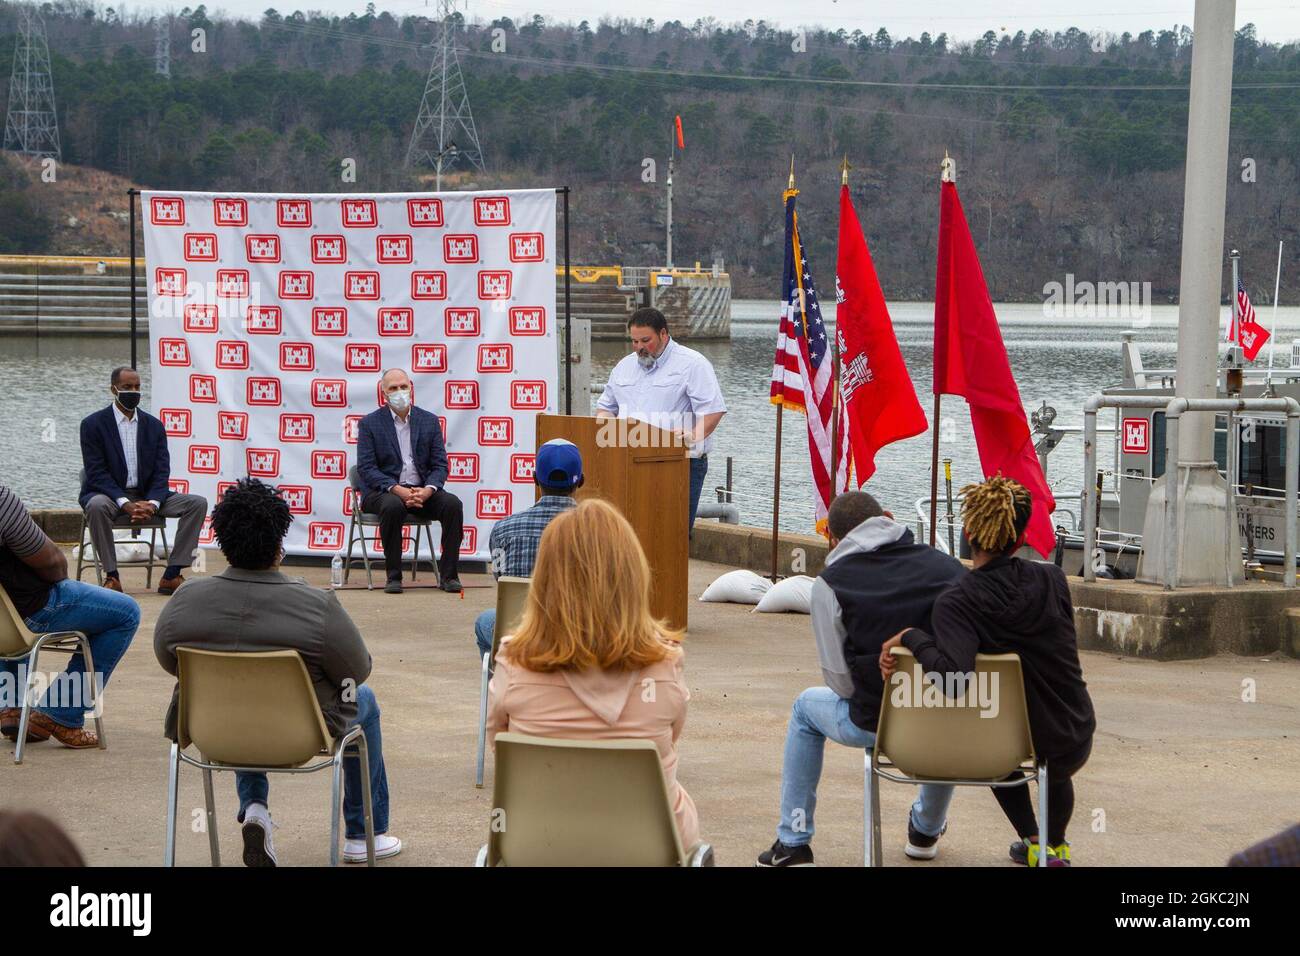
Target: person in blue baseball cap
514 540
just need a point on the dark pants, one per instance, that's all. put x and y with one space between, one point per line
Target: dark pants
443 508
1019 808
699 469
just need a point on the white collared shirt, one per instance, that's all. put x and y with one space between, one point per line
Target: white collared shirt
127 429
673 393
410 475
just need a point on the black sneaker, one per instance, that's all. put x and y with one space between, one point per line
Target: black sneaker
451 585
782 855
920 846
394 586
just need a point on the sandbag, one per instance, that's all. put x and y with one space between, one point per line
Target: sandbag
737 587
791 595
128 549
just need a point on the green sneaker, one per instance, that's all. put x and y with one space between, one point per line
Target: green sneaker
1026 854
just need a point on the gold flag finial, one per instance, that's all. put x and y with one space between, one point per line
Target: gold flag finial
791 186
949 167
844 170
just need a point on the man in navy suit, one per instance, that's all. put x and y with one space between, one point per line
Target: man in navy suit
402 463
124 453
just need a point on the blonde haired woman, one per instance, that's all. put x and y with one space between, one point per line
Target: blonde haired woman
587 649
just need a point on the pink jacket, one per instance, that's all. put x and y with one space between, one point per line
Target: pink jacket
600 705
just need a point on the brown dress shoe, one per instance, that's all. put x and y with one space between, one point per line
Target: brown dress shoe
113 584
77 738
10 717
168 586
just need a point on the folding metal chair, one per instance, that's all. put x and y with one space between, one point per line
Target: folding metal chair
123 521
361 520
512 598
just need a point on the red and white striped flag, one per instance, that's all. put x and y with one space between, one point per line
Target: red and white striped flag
1244 330
804 366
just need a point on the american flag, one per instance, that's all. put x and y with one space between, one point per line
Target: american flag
1249 334
803 370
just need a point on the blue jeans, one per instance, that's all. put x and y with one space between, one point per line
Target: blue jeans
484 625
254 787
699 468
108 618
820 714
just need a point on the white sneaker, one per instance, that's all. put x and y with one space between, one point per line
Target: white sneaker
259 849
354 851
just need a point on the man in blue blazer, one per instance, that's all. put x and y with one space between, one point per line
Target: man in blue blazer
402 463
124 453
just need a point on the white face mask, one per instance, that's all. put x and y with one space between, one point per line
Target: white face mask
399 400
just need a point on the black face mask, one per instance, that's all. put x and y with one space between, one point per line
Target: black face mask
127 400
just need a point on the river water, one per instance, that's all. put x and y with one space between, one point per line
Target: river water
48 386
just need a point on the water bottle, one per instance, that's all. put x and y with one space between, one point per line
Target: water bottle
336 571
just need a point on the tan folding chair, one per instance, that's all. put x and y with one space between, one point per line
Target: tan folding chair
583 803
357 534
953 745
512 598
256 712
123 521
19 643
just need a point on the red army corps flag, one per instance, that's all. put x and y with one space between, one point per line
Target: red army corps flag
970 360
875 388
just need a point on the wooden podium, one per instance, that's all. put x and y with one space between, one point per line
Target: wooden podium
644 473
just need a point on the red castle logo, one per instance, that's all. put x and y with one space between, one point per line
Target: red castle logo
298 498
428 285
262 391
496 431
396 322
293 213
424 212
232 284
297 427
528 320
522 468
203 388
263 462
491 211
205 459
494 284
297 357
262 248
176 421
461 395
200 247
359 357
492 504
429 358
329 464
460 248
173 352
329 321
329 249
329 393
462 466
359 213
361 285
393 249
496 358
169 282
263 319
178 486
232 354
527 247
232 426
230 212
468 540
167 211
201 318
462 321
325 535
351 425
528 394
296 285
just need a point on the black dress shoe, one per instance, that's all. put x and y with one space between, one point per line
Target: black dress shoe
451 585
394 586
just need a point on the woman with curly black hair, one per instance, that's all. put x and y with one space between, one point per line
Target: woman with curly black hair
1010 606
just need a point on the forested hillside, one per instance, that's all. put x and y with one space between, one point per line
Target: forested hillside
1069 145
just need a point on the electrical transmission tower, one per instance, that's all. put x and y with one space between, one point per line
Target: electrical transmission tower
444 127
31 125
162 46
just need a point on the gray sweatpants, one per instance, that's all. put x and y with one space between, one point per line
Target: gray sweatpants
101 510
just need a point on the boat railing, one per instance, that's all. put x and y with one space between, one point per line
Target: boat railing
951 524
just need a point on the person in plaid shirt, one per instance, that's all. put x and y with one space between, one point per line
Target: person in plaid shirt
514 540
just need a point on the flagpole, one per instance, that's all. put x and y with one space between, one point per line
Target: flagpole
776 477
1234 331
947 176
835 372
1272 331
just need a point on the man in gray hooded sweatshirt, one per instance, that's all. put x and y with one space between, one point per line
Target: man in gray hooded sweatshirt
877 581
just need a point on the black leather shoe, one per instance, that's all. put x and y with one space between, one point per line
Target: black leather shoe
394 586
451 585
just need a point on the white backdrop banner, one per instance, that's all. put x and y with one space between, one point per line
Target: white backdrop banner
271 318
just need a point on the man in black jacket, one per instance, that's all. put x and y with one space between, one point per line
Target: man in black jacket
877 580
402 463
1010 606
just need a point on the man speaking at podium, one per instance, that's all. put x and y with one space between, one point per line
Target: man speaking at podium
669 386
402 463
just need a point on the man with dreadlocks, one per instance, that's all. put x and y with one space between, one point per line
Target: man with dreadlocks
1010 606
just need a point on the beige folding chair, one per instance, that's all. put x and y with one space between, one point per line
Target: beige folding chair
512 598
582 803
19 643
123 521
954 745
357 533
256 712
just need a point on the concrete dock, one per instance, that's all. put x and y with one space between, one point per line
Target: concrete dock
1184 770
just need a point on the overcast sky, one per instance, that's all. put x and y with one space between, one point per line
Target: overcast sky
1276 20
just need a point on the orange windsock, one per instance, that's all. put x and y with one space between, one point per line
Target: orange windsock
681 142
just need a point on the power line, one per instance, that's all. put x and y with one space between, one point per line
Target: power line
444 108
32 124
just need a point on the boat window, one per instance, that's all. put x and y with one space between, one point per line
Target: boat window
1158 443
1263 461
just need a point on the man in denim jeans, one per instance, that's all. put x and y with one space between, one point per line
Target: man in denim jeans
34 573
877 581
252 606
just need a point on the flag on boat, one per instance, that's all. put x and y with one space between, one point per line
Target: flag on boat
970 360
875 390
802 373
1250 334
